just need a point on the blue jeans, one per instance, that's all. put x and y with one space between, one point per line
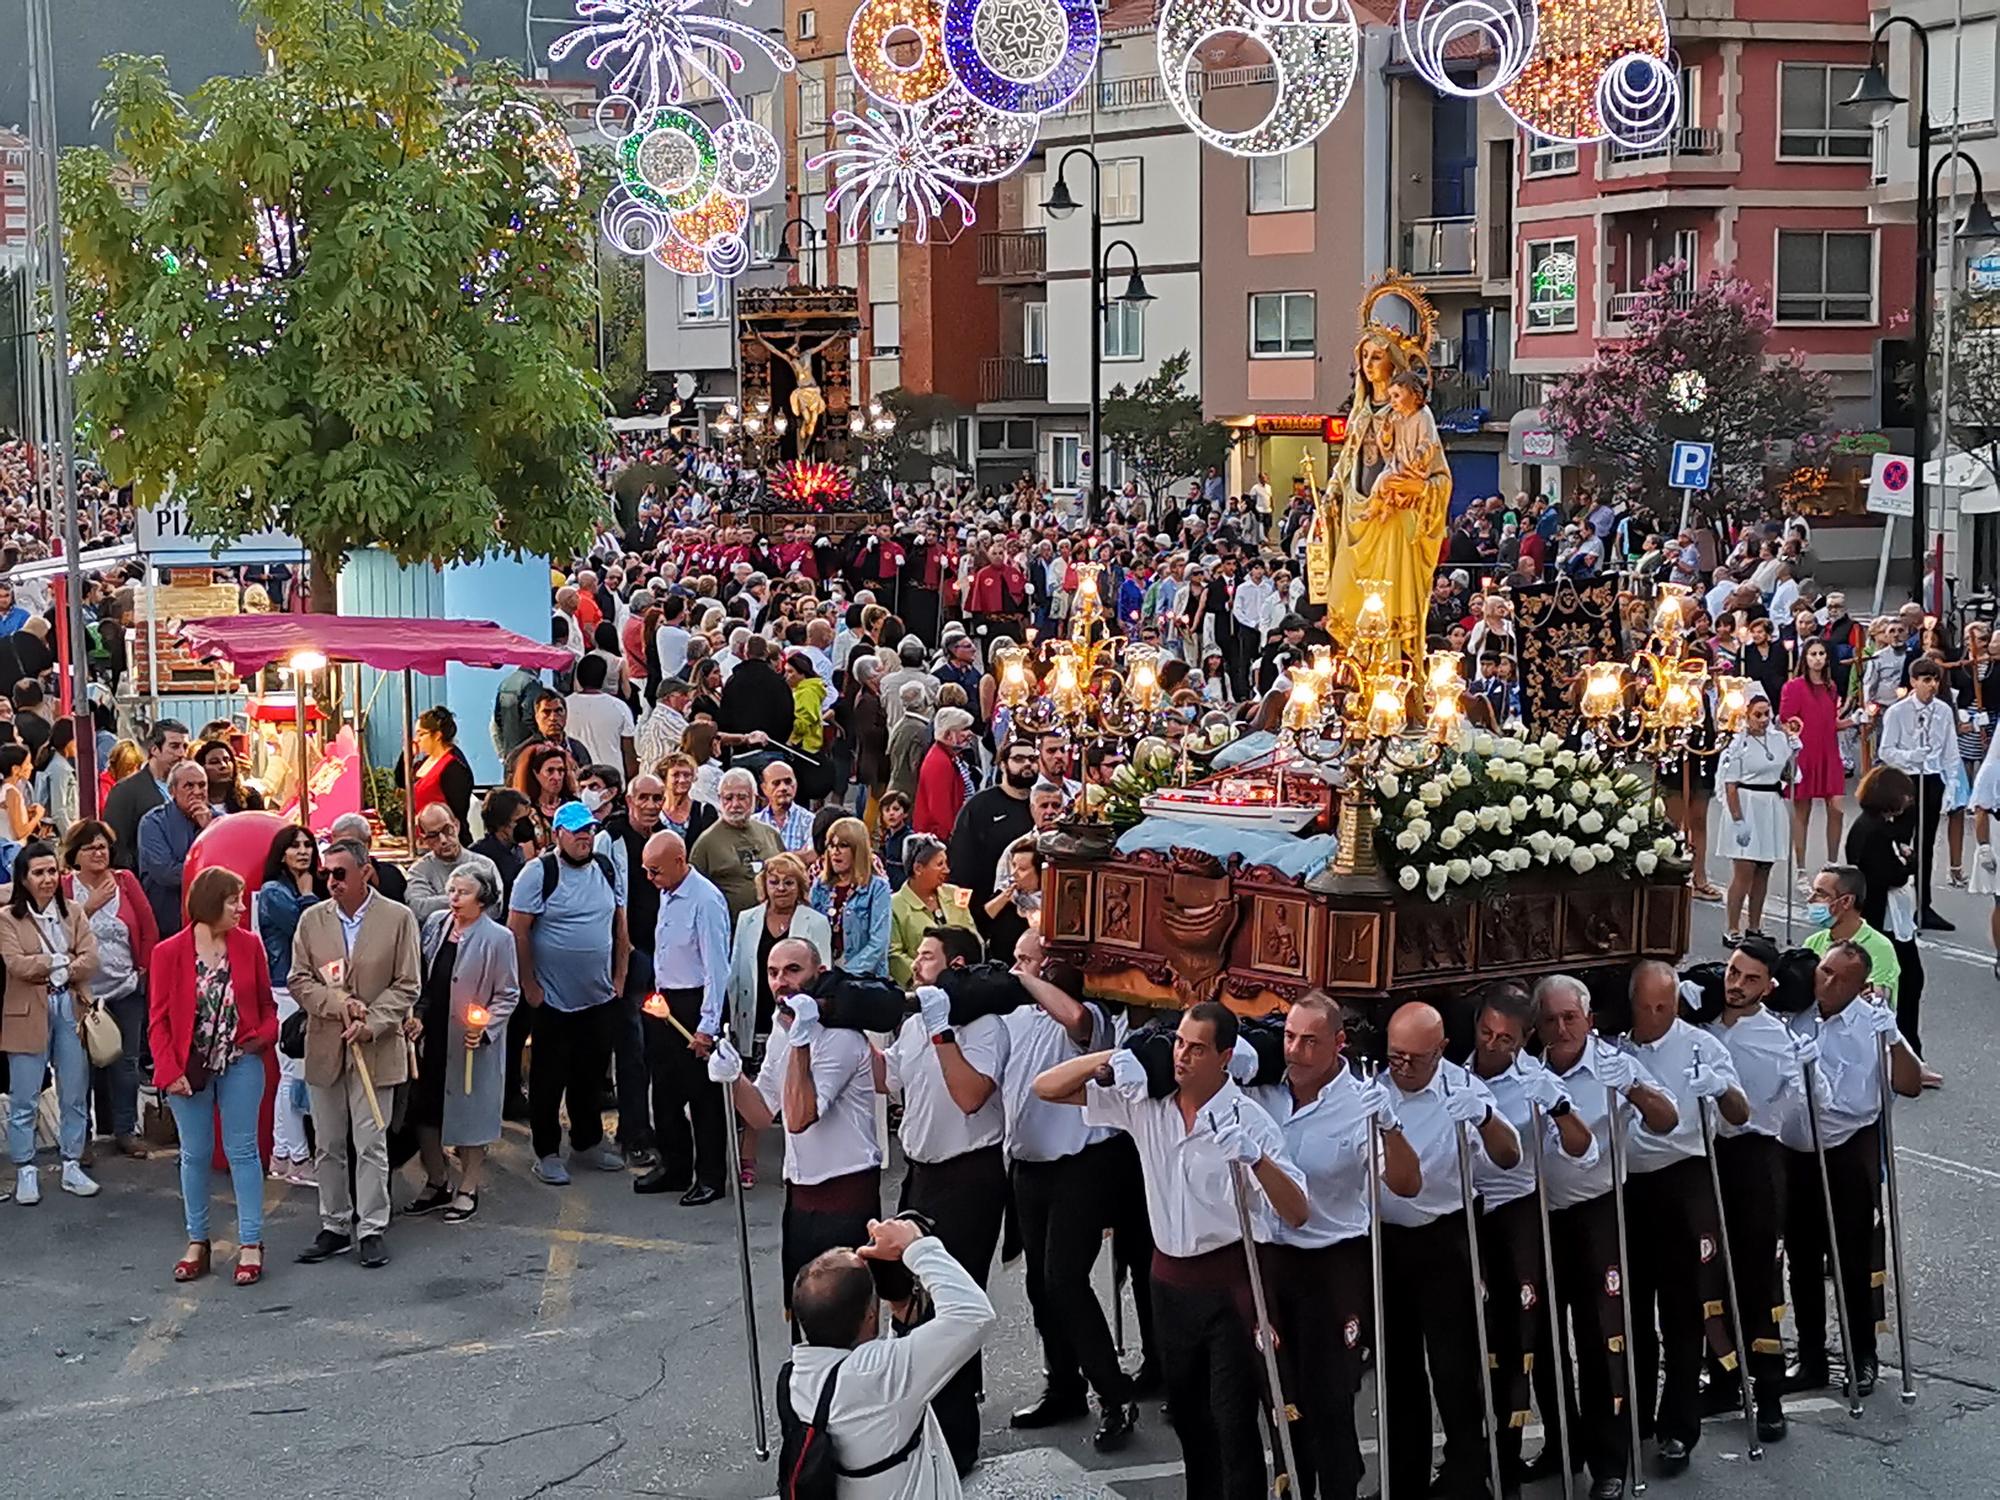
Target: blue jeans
24 1087
240 1092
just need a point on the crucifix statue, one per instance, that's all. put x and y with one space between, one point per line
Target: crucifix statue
808 405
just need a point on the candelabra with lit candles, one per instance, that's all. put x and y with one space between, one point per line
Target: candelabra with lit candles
1652 706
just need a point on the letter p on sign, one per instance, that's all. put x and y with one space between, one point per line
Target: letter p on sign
1690 465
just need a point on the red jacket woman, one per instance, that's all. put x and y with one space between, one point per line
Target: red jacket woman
171 989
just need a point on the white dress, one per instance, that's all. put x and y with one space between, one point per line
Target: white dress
1761 761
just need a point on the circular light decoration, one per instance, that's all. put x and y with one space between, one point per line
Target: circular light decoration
717 214
669 160
676 254
1687 390
727 255
1314 48
1025 57
1639 99
893 168
664 44
1577 42
630 224
880 23
1505 29
977 143
748 158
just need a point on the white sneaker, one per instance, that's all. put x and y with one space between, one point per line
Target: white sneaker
27 1186
76 1180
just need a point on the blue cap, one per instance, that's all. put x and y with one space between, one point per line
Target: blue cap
574 817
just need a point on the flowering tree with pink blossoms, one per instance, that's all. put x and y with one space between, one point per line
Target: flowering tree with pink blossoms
1694 366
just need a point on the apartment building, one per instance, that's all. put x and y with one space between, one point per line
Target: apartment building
1766 174
13 196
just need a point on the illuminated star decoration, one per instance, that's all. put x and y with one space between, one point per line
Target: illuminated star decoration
1687 390
1026 57
1314 47
897 167
665 45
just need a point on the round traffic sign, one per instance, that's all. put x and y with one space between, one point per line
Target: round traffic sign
1895 475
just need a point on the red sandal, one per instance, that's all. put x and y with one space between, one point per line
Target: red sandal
249 1275
193 1267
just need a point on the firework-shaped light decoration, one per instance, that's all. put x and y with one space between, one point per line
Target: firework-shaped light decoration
663 46
810 485
894 168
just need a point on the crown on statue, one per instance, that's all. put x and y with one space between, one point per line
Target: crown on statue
1416 347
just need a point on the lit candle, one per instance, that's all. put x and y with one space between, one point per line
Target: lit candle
1372 621
1444 671
1014 686
656 1006
1143 687
1302 706
1733 701
1603 689
1386 713
476 1019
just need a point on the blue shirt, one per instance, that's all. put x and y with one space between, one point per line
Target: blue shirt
165 835
796 832
571 938
691 945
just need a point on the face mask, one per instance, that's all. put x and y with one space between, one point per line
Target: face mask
1819 914
591 797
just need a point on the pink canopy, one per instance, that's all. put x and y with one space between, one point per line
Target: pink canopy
249 643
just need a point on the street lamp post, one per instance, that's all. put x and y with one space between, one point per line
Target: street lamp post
1061 205
809 241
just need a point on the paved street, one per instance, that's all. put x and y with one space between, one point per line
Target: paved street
588 1342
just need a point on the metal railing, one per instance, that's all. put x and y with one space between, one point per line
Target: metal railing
1501 392
1013 255
1689 140
1147 91
1441 247
1008 377
1623 304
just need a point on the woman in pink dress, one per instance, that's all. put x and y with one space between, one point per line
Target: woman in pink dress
1810 709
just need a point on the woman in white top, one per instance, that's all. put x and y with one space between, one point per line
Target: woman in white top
1755 765
22 817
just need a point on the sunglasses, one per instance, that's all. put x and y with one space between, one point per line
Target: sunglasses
336 877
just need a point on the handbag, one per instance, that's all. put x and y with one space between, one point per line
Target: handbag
101 1038
292 1036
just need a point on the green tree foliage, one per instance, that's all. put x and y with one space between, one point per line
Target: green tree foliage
622 328
1156 429
356 302
1972 404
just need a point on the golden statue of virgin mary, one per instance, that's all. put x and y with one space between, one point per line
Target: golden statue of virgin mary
1383 515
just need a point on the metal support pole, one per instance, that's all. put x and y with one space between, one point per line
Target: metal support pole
1892 1207
1832 1244
1559 1346
1729 1274
735 1147
1375 1272
1478 1303
1267 1339
1634 1468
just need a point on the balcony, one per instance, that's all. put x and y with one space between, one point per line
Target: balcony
1013 255
1008 377
1441 247
1622 304
1500 394
1689 140
1145 91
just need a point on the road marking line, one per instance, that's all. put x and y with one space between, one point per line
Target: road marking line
616 1241
561 1270
157 1339
1945 1164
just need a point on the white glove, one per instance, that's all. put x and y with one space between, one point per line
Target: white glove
1613 1068
1466 1107
1545 1089
935 1006
1806 1050
1743 838
1707 1082
59 974
1236 1144
1127 1072
1881 1021
805 1020
1691 993
1986 860
1242 1061
1376 1100
725 1063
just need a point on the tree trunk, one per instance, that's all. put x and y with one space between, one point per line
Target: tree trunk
323 588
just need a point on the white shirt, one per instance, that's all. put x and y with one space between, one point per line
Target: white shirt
886 1385
1433 1136
1767 1070
842 1140
1253 603
1918 737
601 724
1848 1077
672 641
1328 1140
1036 1129
1573 1180
350 927
1190 1198
1669 1059
1498 1186
935 1129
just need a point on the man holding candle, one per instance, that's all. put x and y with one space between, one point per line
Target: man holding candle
690 971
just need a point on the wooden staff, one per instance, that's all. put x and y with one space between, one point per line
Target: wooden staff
367 1084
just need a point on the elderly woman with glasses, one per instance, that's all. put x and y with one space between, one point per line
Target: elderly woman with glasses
471 986
924 902
123 924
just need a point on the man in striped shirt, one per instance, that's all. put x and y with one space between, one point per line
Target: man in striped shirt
781 810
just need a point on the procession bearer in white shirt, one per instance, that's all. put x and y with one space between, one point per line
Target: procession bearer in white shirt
1842 1028
1427 1264
1751 1164
1583 1228
1190 1144
820 1082
1510 1223
1317 1274
953 1122
1677 1253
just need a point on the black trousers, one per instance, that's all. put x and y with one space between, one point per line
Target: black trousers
683 1097
1517 1318
628 1053
571 1049
1753 1192
1239 655
1321 1305
1589 1284
1909 992
1430 1349
1664 1208
965 1198
1064 1208
825 1216
1132 1238
1854 1176
1930 794
1215 1381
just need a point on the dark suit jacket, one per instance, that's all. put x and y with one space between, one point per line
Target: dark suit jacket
130 800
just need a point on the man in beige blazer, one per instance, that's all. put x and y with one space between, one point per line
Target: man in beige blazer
355 973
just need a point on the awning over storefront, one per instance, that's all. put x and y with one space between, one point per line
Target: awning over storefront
1530 439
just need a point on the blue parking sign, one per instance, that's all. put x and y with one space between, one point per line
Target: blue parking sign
1690 466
